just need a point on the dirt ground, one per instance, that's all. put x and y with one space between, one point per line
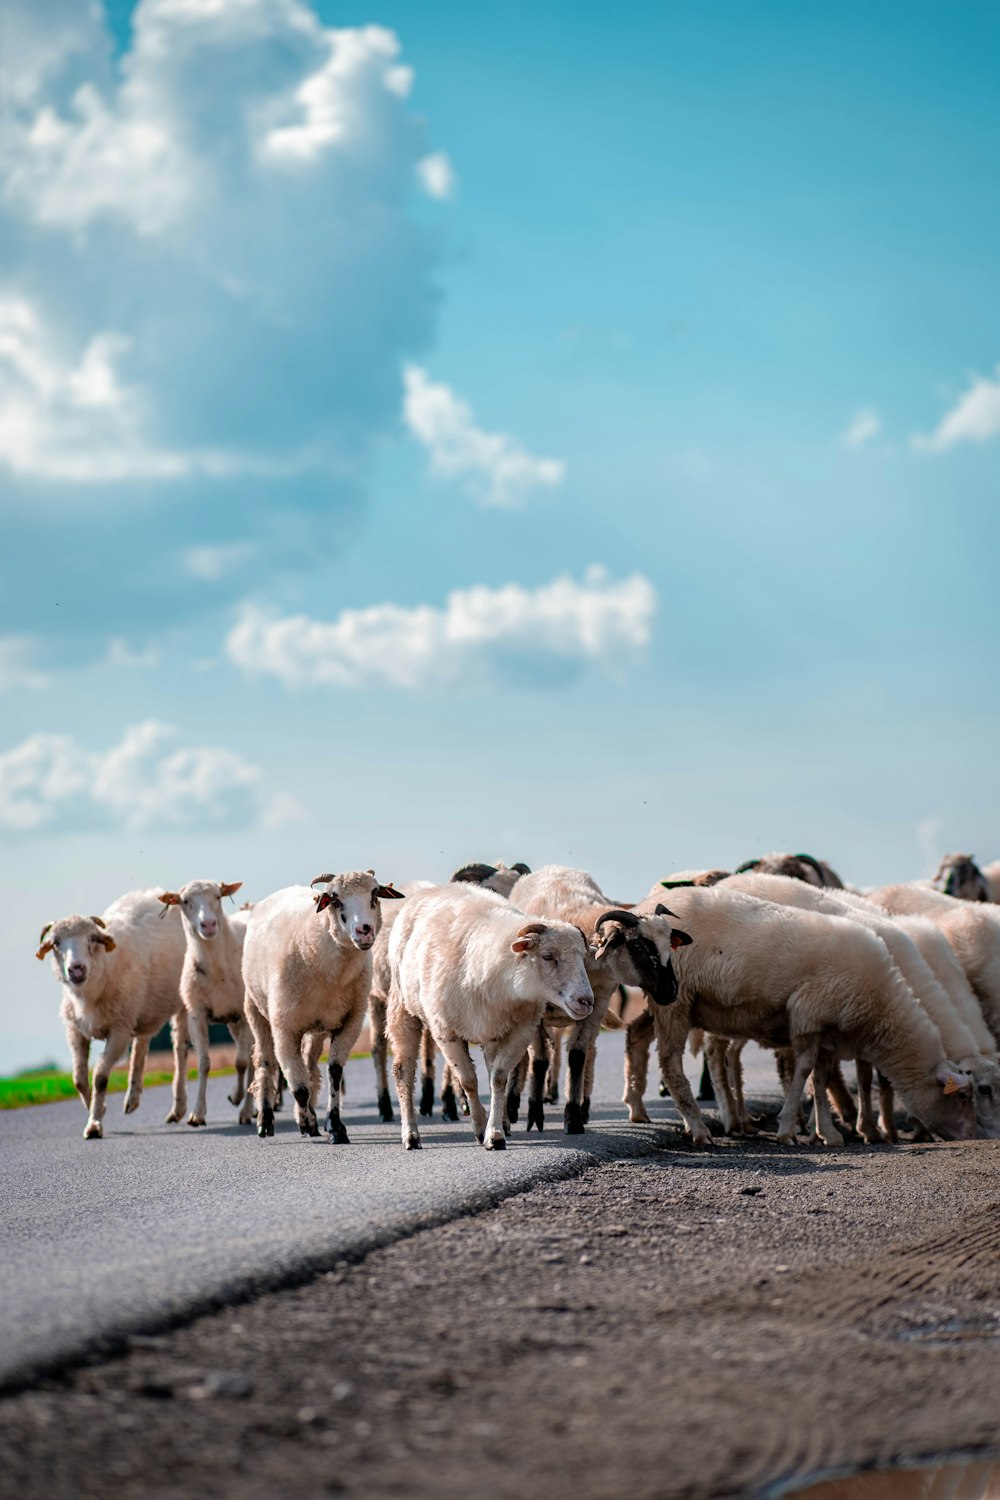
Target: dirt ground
727 1322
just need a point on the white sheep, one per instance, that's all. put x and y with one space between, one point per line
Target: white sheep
212 981
378 1003
120 977
307 972
821 984
623 948
471 969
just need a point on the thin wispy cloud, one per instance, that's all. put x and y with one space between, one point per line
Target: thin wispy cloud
530 632
437 175
975 418
50 780
862 428
494 468
210 563
17 665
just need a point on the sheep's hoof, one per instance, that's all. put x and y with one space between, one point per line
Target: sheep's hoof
873 1137
787 1138
94 1130
427 1098
193 1119
131 1104
551 1096
496 1142
385 1113
701 1137
573 1119
513 1106
265 1125
309 1127
175 1116
536 1115
235 1098
338 1131
449 1104
411 1142
585 1112
479 1137
638 1115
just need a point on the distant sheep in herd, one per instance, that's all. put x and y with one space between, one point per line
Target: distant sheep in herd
904 980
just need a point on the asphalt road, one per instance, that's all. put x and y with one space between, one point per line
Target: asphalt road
105 1239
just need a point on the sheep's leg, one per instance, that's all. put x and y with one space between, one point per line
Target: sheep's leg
734 1075
288 1046
715 1049
866 1125
312 1051
428 1056
806 1052
242 1095
887 1109
79 1046
449 1098
404 1033
136 1066
457 1054
115 1049
823 1126
265 1066
518 1077
638 1037
671 1025
552 1078
588 1079
198 1022
377 1006
502 1058
839 1093
582 1037
341 1042
539 1062
179 1044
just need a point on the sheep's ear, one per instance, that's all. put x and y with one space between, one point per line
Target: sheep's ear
610 936
663 911
388 892
321 880
99 922
45 948
951 1081
109 942
679 939
169 898
325 899
230 889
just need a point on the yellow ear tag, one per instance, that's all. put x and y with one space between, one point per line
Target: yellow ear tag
951 1087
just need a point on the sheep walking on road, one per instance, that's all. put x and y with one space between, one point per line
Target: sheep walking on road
307 972
120 977
212 982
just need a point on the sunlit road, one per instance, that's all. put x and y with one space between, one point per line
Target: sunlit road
101 1239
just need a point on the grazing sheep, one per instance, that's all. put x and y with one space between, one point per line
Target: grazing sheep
307 970
623 948
958 875
120 975
470 969
212 982
821 984
972 929
960 1044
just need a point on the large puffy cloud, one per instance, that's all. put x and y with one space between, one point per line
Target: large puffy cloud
141 782
226 215
494 467
975 418
543 632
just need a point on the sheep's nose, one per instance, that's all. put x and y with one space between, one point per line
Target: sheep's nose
77 973
209 926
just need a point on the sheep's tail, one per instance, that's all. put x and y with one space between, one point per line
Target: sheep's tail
696 1040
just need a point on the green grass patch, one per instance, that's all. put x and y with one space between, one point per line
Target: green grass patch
47 1085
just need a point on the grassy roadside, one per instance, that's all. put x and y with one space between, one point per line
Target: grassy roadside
47 1085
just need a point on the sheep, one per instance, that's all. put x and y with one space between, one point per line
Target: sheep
902 940
307 972
797 866
120 975
212 981
972 929
821 984
622 949
378 1002
499 877
471 969
958 875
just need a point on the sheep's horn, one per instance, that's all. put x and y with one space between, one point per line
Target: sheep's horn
626 918
521 867
748 864
474 874
321 880
532 927
676 885
807 859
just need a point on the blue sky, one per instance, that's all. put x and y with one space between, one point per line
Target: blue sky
434 432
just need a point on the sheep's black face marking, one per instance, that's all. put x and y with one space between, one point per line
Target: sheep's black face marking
657 980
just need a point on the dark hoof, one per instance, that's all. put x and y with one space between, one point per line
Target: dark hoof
266 1126
506 1127
412 1143
573 1120
338 1134
665 1093
513 1106
427 1098
449 1104
536 1115
309 1127
385 1108
479 1138
552 1096
496 1143
585 1112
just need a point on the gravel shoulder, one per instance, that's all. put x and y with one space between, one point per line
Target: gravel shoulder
728 1322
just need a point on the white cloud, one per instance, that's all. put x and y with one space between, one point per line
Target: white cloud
437 174
249 173
975 418
16 665
50 780
864 426
210 563
495 468
559 625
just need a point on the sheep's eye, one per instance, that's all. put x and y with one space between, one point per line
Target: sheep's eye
57 942
986 1091
550 958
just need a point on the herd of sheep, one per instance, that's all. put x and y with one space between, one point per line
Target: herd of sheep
904 980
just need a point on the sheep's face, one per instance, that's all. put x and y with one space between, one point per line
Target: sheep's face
552 965
200 903
79 947
944 1104
985 1077
353 904
639 950
961 877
